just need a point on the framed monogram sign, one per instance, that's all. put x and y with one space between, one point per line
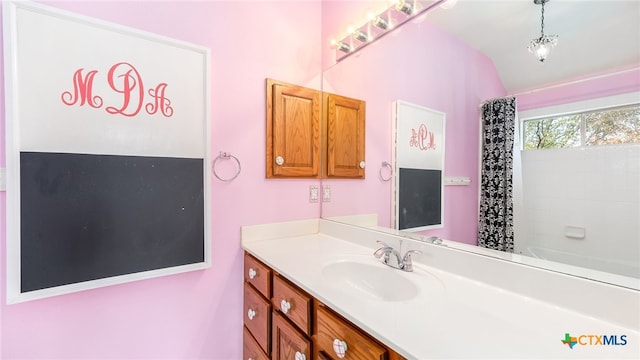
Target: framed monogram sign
107 151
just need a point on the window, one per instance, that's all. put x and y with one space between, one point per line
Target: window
619 125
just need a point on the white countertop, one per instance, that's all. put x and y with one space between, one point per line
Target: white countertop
452 316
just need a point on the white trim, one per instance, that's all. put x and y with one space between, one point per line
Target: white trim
580 106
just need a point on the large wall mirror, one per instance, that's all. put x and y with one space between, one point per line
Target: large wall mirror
452 60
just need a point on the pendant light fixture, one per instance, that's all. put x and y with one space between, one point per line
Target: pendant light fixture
541 46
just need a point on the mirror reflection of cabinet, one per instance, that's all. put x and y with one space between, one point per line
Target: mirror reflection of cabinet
299 120
344 136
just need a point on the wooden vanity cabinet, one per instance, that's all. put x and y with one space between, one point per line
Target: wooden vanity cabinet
300 326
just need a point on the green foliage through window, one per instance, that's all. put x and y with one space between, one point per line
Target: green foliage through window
620 125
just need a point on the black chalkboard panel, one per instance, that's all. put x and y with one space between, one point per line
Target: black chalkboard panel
87 217
419 198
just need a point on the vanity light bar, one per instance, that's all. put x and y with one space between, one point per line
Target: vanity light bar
399 12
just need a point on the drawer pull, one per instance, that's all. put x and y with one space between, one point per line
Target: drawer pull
251 314
362 164
252 273
340 348
279 160
300 356
285 306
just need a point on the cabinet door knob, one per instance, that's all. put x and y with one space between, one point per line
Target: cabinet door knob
340 348
251 314
285 306
300 356
252 273
279 160
362 164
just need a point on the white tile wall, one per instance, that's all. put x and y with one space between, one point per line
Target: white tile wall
597 188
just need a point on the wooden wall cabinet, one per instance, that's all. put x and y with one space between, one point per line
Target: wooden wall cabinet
301 327
313 135
293 130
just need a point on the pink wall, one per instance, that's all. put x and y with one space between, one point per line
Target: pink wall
196 315
421 64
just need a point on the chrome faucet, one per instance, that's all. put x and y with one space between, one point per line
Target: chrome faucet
385 251
403 263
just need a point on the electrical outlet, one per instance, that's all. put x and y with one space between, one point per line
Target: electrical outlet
313 193
326 193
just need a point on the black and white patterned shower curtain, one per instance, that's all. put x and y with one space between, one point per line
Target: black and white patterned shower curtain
495 228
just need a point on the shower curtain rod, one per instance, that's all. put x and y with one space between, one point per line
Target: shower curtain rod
575 81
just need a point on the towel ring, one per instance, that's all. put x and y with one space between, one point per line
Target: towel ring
382 167
225 155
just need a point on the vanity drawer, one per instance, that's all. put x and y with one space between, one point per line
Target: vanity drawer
250 348
258 275
331 327
293 303
257 317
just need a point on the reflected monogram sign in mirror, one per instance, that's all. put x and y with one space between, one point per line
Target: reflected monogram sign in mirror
419 167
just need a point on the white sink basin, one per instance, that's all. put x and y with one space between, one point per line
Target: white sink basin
373 279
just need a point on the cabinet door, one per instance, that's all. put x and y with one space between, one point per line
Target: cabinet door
345 139
293 130
352 344
288 343
250 348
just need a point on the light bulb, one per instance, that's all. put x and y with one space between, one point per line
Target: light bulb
358 34
379 22
339 45
405 7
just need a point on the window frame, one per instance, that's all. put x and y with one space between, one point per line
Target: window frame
582 108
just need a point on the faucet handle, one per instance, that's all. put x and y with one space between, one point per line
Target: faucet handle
406 260
384 244
385 250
